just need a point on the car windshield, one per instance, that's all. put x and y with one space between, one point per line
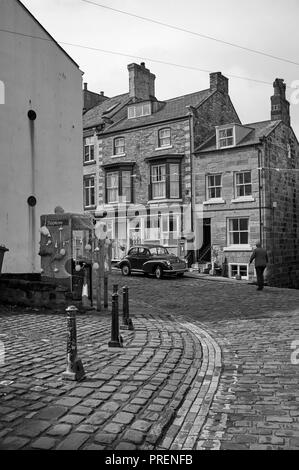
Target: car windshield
158 250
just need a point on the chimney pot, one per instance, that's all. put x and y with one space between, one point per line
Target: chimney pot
85 86
102 93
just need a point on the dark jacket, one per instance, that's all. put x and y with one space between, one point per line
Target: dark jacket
260 256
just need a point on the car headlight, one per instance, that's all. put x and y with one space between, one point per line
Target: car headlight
167 262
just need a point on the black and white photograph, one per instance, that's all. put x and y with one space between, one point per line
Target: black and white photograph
149 228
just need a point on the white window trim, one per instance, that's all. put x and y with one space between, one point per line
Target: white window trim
90 160
113 188
238 264
163 201
164 148
159 138
134 106
243 199
238 248
118 155
239 199
218 138
213 187
114 146
228 232
87 178
215 200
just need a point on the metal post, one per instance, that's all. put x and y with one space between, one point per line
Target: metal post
125 308
125 305
116 339
98 279
105 292
127 321
74 369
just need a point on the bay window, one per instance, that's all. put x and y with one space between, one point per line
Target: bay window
119 186
165 178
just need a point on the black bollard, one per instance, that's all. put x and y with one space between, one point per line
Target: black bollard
115 288
74 369
116 339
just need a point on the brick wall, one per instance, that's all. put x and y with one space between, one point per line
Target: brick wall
281 222
141 144
217 110
226 163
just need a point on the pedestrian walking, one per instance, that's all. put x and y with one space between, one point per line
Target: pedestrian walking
260 258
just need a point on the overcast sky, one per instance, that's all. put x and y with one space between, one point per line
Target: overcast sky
269 26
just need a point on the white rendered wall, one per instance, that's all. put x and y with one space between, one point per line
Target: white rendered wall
42 157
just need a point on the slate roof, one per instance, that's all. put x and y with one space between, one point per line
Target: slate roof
169 109
93 117
259 129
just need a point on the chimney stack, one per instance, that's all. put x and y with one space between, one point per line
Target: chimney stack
218 82
91 99
280 107
141 82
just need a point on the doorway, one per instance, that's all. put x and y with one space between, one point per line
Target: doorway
203 255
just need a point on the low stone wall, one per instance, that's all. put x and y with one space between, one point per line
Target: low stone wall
29 291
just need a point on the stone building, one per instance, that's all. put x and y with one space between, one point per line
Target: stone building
138 158
246 179
40 133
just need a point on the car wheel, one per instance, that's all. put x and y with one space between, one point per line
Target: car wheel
158 272
125 270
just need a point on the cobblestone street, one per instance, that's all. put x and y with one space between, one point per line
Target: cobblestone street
208 366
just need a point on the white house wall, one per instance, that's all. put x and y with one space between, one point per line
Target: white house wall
36 75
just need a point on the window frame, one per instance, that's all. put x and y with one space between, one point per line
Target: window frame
163 182
220 139
119 169
87 178
229 232
160 139
230 265
209 187
166 162
239 185
137 106
89 146
115 147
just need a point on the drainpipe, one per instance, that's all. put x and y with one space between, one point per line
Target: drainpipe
259 154
31 201
191 130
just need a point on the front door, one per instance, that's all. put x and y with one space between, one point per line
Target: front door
204 253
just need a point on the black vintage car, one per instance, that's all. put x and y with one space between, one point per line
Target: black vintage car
152 260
